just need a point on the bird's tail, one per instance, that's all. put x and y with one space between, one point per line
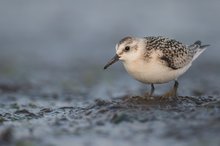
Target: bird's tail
197 48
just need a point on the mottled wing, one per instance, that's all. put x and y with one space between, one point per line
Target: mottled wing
173 53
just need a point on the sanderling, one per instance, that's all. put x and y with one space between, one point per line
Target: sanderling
156 60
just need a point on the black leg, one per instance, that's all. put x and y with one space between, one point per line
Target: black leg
152 89
175 87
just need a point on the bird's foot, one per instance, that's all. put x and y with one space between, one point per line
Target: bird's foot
169 95
172 94
148 94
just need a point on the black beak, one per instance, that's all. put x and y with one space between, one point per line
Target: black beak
113 60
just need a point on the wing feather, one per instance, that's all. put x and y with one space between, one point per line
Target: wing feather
173 53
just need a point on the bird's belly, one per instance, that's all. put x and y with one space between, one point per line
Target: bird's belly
155 73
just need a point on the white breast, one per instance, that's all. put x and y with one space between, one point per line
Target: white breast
153 71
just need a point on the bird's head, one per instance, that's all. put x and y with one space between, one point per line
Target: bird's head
128 49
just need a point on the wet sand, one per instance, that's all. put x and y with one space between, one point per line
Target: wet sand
60 107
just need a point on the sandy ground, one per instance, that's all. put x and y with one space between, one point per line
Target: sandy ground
53 107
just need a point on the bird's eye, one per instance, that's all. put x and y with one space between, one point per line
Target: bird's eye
127 48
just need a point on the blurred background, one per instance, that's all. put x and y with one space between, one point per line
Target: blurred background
65 33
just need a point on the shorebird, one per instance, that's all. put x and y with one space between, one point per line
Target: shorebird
156 60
